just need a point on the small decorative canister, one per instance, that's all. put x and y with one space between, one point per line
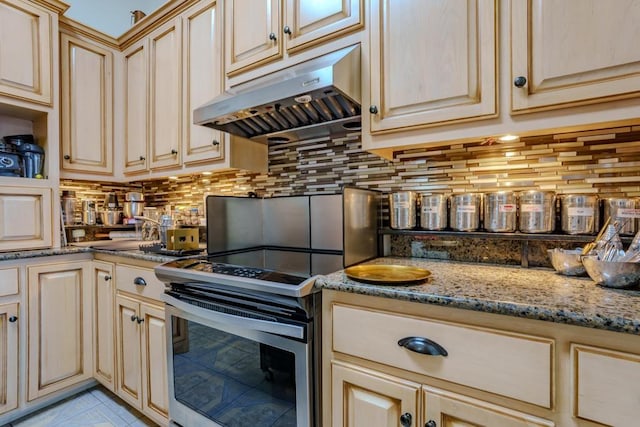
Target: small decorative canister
537 211
579 213
500 212
433 212
624 211
402 208
465 211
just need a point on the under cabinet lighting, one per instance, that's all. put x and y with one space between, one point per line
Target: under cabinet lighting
509 138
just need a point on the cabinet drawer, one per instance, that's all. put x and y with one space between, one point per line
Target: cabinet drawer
490 360
126 278
8 281
607 386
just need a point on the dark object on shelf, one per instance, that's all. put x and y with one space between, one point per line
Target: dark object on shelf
157 248
10 160
18 140
33 157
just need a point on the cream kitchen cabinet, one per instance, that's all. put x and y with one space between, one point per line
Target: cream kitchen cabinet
202 79
27 31
9 341
259 32
141 342
103 309
59 326
25 218
431 63
136 101
366 398
153 98
86 88
565 53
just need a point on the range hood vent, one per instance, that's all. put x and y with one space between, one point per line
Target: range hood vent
320 97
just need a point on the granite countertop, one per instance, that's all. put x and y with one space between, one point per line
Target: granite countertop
68 250
539 294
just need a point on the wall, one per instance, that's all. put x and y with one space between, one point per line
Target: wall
604 162
112 17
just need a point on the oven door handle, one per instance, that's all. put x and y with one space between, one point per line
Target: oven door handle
293 331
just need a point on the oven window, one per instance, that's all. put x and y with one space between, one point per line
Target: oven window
232 380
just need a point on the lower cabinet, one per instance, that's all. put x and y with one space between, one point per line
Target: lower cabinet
142 356
103 332
59 326
9 324
366 398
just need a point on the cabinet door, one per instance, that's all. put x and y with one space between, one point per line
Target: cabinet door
25 51
364 398
154 355
311 22
136 108
8 357
103 332
253 34
129 358
202 73
60 332
25 218
86 89
432 62
573 52
454 410
165 95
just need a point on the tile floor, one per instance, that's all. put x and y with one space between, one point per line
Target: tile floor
94 407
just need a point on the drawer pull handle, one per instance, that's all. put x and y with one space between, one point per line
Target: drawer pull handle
405 419
139 281
139 319
13 319
423 346
133 317
430 423
107 278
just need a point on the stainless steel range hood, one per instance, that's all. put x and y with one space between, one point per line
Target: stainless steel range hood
317 98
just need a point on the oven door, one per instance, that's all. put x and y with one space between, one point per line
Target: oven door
226 370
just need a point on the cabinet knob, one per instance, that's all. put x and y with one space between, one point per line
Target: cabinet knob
405 419
67 157
174 152
286 30
13 319
140 320
373 109
107 278
430 423
143 158
520 81
423 346
273 37
215 142
133 317
139 281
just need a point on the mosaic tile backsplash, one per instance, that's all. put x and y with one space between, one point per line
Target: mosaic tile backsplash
604 162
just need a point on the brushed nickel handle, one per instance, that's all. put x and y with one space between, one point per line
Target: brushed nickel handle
107 278
139 281
286 30
373 109
423 346
67 157
13 319
133 317
430 423
273 37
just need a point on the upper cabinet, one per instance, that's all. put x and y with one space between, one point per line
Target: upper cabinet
165 95
86 89
202 79
573 52
259 32
136 136
431 63
26 50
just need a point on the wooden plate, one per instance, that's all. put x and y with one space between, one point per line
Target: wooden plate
387 274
